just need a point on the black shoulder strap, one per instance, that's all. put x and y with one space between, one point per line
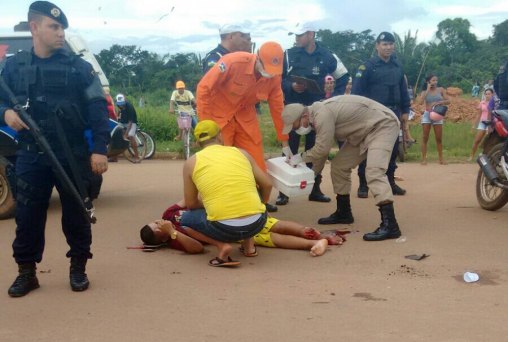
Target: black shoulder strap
24 61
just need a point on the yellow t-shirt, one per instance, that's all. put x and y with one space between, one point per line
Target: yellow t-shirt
226 184
183 101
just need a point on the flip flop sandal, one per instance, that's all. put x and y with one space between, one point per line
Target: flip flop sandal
249 255
218 262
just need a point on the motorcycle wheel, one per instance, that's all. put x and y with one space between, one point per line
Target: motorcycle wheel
7 203
490 196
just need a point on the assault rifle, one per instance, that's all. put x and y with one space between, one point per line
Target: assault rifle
82 199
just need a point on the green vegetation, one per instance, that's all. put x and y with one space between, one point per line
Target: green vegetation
456 56
457 137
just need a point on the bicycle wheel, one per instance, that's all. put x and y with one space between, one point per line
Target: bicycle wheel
186 143
141 142
150 145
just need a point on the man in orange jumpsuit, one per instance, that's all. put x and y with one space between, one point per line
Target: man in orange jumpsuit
228 92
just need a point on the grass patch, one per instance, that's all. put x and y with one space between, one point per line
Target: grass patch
457 137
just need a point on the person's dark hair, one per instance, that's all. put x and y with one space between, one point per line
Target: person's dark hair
429 77
147 235
488 90
32 16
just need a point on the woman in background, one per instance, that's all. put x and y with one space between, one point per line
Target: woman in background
482 122
432 95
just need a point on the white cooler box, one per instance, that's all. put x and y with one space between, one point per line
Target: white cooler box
292 181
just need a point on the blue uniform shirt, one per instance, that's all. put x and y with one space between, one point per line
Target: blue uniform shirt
213 56
94 111
383 82
320 63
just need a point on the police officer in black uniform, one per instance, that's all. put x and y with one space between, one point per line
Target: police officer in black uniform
56 86
309 60
501 86
382 79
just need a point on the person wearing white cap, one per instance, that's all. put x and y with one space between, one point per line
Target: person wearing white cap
369 131
308 59
233 38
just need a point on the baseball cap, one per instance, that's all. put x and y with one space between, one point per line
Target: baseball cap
290 114
272 55
120 99
205 130
180 84
301 28
49 10
385 37
231 28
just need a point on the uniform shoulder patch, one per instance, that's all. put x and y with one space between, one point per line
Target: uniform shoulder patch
222 67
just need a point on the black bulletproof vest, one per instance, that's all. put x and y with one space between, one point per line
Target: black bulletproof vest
49 86
384 83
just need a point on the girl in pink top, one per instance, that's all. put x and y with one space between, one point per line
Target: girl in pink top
482 122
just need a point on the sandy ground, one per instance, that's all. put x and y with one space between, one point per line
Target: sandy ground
362 291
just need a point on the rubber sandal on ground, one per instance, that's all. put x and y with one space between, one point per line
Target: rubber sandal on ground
218 262
249 255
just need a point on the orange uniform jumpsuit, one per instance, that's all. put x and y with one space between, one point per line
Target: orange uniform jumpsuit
227 94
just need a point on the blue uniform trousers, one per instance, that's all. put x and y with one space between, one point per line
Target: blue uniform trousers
35 183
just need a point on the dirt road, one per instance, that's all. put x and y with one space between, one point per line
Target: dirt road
358 292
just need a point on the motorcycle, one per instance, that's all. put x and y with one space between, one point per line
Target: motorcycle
8 147
492 179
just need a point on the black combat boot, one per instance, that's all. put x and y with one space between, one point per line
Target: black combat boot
343 213
282 199
316 195
25 282
396 190
389 228
363 189
78 279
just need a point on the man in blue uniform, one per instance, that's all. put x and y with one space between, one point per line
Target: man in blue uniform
56 87
381 78
305 67
233 38
501 85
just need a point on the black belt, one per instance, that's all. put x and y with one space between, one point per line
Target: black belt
30 147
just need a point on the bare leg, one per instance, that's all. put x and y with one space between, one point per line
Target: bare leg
134 145
316 247
425 140
223 249
438 133
477 139
295 229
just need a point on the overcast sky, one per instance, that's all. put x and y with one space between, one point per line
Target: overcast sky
168 26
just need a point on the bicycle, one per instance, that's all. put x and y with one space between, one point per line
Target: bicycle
184 120
145 143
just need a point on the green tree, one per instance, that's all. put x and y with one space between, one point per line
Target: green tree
456 39
500 36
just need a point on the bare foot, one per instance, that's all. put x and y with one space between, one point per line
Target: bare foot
423 162
319 248
310 233
442 162
333 240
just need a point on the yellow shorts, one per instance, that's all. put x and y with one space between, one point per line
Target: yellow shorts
264 237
